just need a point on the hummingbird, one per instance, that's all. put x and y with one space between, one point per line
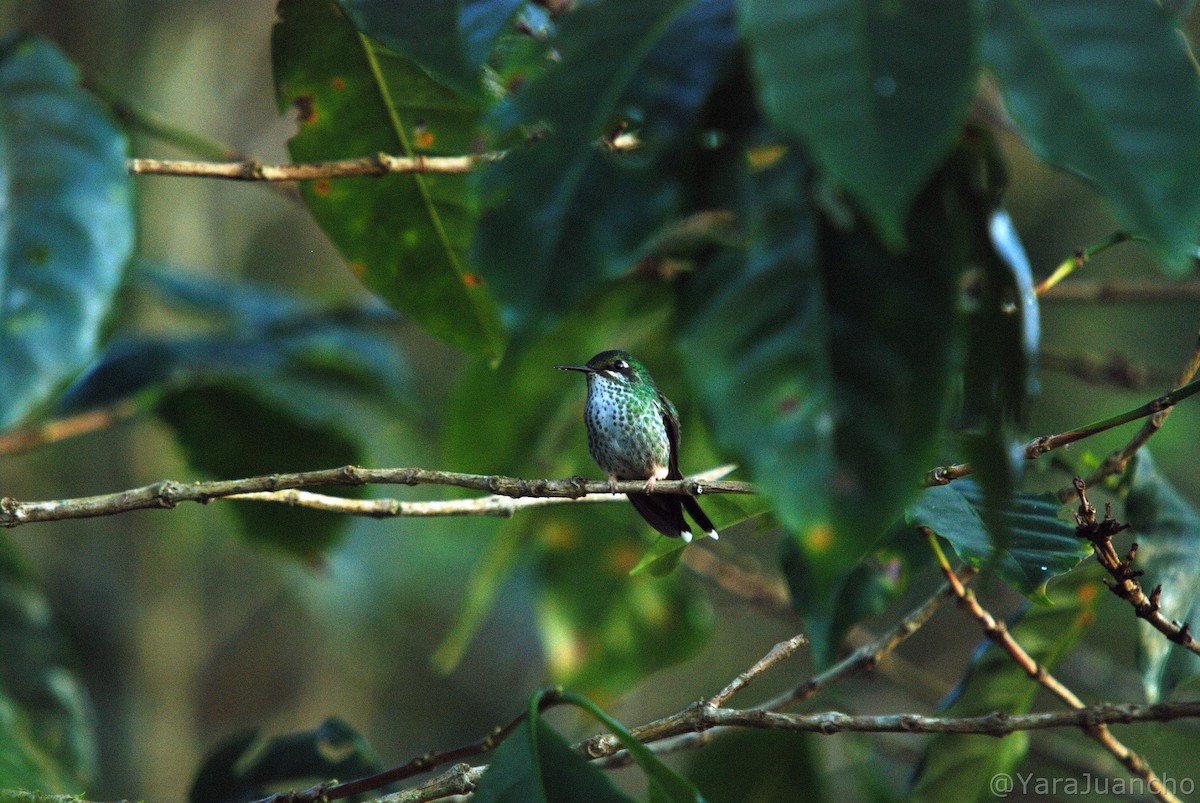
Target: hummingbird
633 434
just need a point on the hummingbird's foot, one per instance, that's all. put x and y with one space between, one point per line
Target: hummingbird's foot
649 486
612 484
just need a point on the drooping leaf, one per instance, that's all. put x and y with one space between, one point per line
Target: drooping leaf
1041 546
665 785
536 765
1167 531
564 215
47 733
405 236
449 40
233 430
960 767
66 223
772 767
1110 91
753 341
876 91
247 767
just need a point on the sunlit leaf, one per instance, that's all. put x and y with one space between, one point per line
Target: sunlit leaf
66 223
405 236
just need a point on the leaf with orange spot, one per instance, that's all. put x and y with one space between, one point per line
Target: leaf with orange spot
409 233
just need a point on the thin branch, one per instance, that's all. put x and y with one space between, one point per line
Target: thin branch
1115 369
1125 583
504 507
29 438
767 593
1046 443
782 650
1115 463
168 493
1125 292
1082 257
998 634
380 164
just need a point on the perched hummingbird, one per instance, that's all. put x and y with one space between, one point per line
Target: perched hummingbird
633 434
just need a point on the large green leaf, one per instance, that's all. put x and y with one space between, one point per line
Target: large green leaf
273 434
450 40
563 214
405 236
753 341
876 91
1168 536
47 739
957 767
1107 89
66 223
1041 545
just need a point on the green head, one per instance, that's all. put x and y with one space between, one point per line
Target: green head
614 366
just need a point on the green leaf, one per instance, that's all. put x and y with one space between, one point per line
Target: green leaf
66 223
405 236
876 91
752 339
957 767
564 215
1042 546
449 40
1107 90
47 733
1168 537
240 430
772 767
247 767
536 765
665 784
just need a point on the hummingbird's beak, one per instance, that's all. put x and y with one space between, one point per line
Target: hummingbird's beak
581 368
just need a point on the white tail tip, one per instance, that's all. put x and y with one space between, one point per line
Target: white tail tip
686 535
713 535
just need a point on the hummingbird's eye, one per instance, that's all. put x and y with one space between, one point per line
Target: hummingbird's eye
620 365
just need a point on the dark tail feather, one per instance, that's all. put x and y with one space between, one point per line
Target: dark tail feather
697 513
664 513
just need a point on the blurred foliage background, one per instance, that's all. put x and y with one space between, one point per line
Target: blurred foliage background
184 633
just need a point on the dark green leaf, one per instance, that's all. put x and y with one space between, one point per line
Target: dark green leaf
877 91
405 236
564 215
665 785
1042 545
536 765
450 40
753 343
246 767
66 223
957 767
47 739
1109 90
771 767
239 430
1168 537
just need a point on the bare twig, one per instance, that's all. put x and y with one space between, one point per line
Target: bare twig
780 651
765 592
1116 369
23 440
998 634
1125 292
380 164
1046 443
1125 583
169 493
